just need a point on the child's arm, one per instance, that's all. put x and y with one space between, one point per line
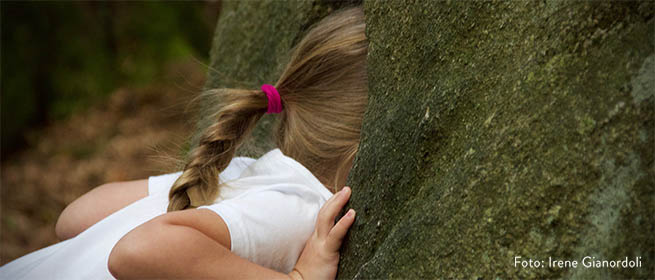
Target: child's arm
97 204
196 244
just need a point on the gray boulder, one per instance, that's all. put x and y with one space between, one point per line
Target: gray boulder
498 130
494 131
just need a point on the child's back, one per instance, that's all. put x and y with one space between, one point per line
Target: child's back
269 205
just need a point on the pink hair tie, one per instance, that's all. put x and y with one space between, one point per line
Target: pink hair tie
274 101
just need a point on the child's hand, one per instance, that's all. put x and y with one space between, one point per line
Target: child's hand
320 258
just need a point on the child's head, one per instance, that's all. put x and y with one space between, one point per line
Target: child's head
324 94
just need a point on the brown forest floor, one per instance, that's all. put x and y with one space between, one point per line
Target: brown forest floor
127 137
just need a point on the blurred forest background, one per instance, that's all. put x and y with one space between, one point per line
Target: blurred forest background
91 92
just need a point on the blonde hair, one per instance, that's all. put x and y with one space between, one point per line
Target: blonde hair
324 92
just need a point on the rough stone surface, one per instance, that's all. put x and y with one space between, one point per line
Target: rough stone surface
251 46
503 129
494 130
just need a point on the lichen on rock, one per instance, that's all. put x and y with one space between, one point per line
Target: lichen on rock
494 130
504 129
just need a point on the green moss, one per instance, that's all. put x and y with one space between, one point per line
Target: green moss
498 129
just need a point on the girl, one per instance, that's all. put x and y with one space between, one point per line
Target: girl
227 217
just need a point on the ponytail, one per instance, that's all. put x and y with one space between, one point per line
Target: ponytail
325 91
199 183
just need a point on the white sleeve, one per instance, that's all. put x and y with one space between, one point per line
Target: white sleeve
270 226
163 183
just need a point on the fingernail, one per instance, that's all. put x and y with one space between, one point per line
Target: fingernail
350 213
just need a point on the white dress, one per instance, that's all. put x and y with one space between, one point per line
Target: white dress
269 206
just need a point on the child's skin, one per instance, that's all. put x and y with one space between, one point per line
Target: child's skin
97 204
195 243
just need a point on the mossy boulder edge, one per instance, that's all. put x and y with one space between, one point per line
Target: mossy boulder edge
494 130
504 129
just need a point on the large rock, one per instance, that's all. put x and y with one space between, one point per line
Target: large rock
504 129
251 46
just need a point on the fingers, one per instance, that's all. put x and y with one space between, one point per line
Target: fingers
329 211
338 232
322 222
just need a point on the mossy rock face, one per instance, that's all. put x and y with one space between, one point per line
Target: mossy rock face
494 130
251 46
504 129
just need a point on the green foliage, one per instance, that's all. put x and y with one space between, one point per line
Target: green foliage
58 57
